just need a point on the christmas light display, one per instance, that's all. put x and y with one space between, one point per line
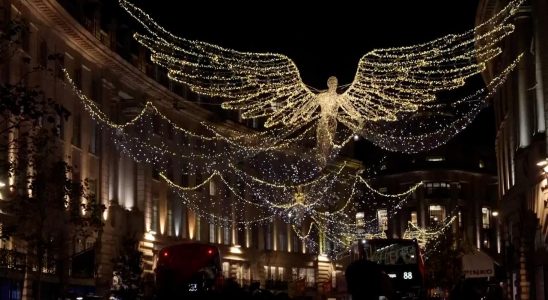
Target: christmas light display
326 201
287 171
390 85
423 236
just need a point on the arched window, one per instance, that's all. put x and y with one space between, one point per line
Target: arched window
486 217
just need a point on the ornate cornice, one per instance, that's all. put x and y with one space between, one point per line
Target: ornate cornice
53 16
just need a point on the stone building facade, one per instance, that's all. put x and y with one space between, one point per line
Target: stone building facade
520 110
119 78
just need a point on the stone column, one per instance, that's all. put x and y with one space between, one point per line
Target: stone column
525 105
540 8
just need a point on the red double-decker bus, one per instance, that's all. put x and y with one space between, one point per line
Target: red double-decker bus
187 270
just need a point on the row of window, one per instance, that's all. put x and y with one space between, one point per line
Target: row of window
436 217
279 273
223 234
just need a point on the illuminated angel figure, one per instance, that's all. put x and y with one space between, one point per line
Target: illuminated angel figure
388 82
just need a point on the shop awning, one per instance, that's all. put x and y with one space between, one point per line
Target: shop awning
478 265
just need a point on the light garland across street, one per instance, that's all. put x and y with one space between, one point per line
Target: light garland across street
288 171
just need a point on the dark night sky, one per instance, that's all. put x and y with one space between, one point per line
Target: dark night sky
326 39
323 40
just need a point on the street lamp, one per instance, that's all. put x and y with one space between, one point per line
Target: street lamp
495 213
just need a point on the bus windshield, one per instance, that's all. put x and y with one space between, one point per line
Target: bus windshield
400 260
386 252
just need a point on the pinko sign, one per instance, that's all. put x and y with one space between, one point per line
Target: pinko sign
477 265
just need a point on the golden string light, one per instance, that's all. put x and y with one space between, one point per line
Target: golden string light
422 235
433 132
334 223
388 86
388 83
209 149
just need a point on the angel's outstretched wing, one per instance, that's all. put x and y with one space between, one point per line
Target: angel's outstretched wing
259 84
395 80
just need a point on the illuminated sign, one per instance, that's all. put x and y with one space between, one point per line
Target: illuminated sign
477 265
193 287
407 275
392 275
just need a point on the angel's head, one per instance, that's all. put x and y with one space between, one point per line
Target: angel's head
332 83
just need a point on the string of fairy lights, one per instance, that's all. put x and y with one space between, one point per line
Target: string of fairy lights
288 171
390 84
336 224
434 130
328 212
425 235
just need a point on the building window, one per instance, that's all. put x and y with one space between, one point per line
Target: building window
295 243
25 36
280 275
59 66
77 131
198 228
414 219
266 272
295 274
43 55
360 219
95 138
198 180
184 179
169 132
270 272
154 221
184 223
360 222
92 187
169 170
382 218
282 240
212 233
486 217
169 221
77 77
60 127
156 125
437 189
437 214
226 235
184 140
96 90
309 277
212 188
226 269
268 237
